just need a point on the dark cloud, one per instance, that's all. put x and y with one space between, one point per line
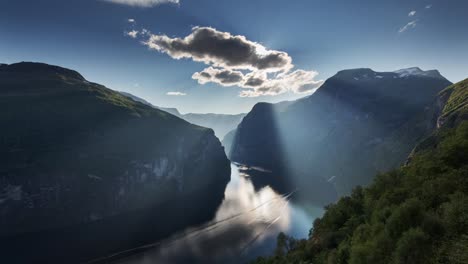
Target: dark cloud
224 77
229 77
221 49
254 82
235 61
205 75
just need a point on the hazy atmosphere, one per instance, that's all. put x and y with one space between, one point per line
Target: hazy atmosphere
104 41
234 132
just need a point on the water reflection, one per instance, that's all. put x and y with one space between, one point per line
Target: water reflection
245 226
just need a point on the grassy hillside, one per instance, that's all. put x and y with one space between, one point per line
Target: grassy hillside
415 214
456 107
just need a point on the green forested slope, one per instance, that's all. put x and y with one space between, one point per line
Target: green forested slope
415 214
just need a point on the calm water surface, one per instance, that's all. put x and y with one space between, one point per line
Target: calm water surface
245 226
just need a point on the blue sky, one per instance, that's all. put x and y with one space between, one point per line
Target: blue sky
316 35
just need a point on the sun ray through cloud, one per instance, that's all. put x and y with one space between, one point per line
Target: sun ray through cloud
234 61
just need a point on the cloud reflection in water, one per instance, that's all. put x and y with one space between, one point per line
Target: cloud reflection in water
245 226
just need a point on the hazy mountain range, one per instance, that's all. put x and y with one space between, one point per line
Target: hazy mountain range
78 159
359 123
220 123
414 214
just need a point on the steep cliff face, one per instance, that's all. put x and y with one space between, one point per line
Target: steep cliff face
453 104
73 152
359 123
452 110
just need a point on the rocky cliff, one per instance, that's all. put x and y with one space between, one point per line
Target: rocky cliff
75 153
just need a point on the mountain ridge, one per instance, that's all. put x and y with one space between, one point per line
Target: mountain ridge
79 158
222 124
414 214
26 67
317 134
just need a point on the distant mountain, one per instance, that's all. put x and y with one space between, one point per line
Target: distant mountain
415 214
230 136
220 123
359 123
83 167
228 140
172 111
416 71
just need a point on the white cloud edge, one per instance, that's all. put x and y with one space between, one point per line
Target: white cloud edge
143 3
409 25
283 80
176 94
132 33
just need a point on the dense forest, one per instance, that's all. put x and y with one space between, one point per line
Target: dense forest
415 214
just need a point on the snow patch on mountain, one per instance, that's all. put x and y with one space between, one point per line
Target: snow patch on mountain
416 71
